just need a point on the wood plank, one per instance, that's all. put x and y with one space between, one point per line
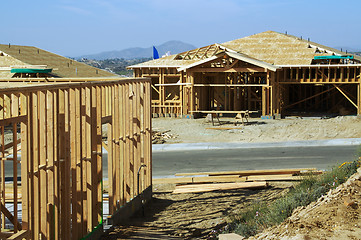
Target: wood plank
99 154
42 162
345 95
12 218
78 171
88 158
84 162
56 167
24 104
252 172
127 142
205 179
120 170
66 209
93 156
73 151
35 143
50 162
198 188
111 164
15 171
116 141
23 234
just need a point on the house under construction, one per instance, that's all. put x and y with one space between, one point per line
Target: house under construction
60 122
269 72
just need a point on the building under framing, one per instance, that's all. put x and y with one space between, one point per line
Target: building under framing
53 113
269 72
31 62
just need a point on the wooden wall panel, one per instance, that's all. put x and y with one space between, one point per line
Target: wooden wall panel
61 152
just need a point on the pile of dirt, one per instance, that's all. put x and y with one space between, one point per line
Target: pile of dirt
336 215
259 130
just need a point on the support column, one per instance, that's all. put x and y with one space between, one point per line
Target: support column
359 99
161 92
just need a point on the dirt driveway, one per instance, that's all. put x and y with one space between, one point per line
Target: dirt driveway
188 216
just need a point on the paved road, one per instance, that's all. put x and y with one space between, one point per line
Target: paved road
167 163
322 157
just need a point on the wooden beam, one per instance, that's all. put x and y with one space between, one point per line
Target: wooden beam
23 234
347 97
204 179
303 100
228 85
197 188
252 172
221 69
11 217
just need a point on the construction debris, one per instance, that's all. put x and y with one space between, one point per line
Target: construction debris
213 181
160 137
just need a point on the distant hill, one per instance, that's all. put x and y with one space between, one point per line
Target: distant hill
132 53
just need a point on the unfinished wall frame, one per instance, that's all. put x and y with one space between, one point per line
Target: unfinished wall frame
227 84
61 187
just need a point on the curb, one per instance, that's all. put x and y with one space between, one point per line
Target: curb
233 145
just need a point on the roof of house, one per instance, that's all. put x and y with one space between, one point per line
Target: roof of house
15 55
269 47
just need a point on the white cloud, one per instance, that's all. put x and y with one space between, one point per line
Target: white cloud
76 10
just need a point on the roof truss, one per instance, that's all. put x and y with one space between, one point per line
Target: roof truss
230 61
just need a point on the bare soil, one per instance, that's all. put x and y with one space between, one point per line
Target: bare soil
336 215
191 216
258 130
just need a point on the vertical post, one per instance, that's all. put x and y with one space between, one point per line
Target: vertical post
35 162
121 109
191 80
74 176
15 113
25 176
42 162
359 99
78 172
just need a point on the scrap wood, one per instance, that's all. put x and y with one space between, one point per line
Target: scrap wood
200 179
253 172
197 188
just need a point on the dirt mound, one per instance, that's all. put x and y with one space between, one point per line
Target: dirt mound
334 216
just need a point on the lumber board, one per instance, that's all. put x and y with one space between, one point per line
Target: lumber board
204 179
12 218
23 234
42 161
198 188
252 172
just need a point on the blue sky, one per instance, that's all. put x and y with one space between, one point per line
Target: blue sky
77 27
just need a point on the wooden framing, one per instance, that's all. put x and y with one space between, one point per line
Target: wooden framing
223 82
61 154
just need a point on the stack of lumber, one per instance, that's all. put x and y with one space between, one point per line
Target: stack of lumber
213 181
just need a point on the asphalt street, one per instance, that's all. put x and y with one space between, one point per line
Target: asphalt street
321 157
167 163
